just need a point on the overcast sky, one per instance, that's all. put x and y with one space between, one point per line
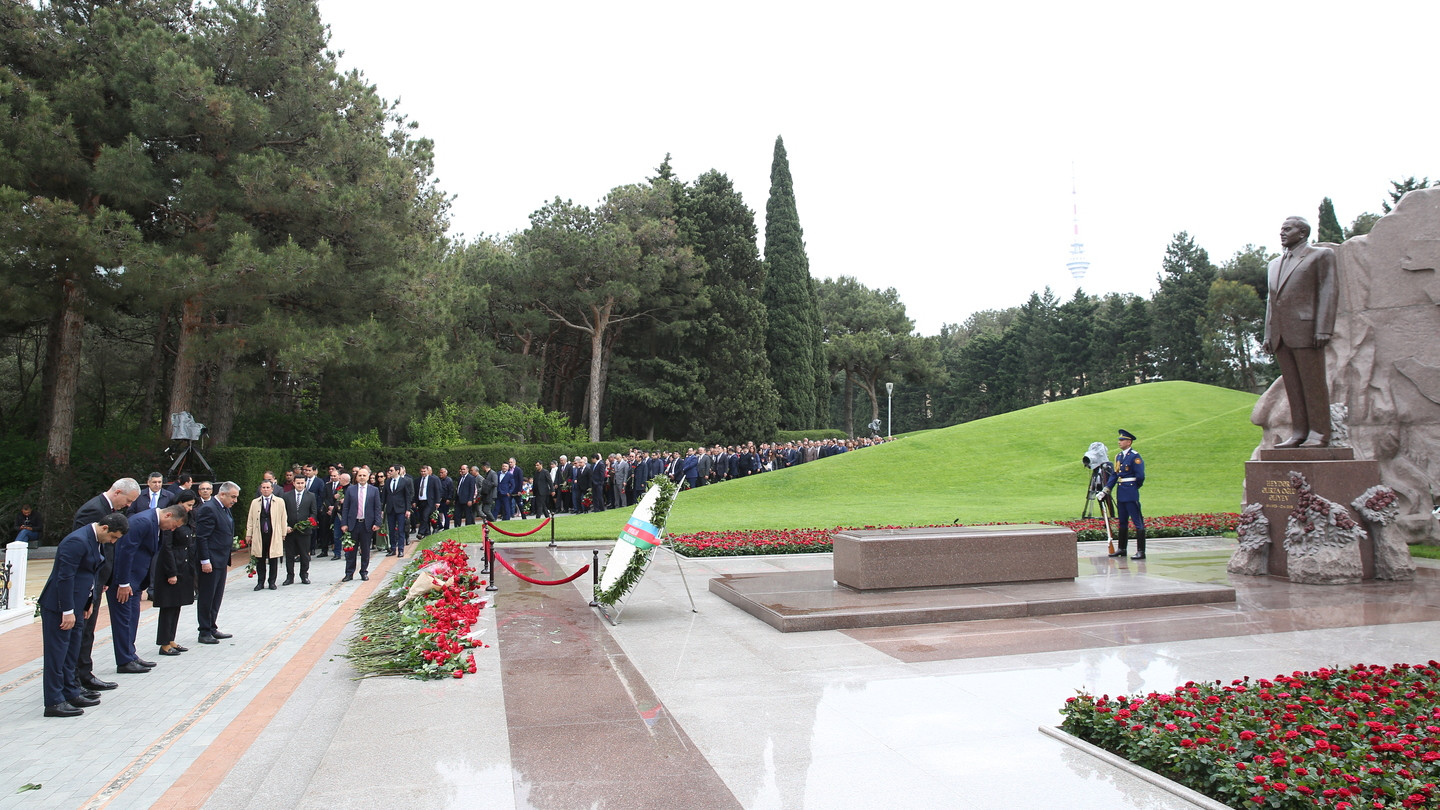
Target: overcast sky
931 144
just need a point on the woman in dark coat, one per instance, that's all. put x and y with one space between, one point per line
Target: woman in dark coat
175 585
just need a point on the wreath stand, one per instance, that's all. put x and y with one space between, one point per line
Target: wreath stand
619 606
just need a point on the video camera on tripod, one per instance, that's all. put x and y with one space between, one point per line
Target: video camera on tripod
1097 461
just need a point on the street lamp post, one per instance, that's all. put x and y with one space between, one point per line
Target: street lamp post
889 396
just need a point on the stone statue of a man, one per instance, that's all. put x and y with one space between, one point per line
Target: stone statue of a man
1299 319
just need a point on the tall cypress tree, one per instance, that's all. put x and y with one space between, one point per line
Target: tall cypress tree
1329 224
793 332
740 400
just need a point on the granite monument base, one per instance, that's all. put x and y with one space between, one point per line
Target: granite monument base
961 555
1334 473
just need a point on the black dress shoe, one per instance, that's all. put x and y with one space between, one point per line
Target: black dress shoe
1137 557
304 580
96 685
132 668
289 581
208 639
83 701
347 578
218 634
1118 554
260 586
272 586
63 710
178 648
90 693
169 651
147 664
365 577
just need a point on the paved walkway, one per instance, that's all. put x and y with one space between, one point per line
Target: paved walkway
669 709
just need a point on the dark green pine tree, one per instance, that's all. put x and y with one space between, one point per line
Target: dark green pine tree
792 331
1329 226
1180 308
740 402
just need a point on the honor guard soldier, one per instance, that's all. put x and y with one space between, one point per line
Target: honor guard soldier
1130 476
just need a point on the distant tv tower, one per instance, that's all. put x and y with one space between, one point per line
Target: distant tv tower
1078 264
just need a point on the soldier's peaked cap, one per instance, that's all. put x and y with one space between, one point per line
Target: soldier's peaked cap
1125 434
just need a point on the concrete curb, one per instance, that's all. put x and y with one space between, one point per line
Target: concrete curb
1179 790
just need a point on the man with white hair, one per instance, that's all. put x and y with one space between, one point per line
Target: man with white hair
117 498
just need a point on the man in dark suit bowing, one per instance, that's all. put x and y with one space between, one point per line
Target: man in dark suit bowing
133 554
71 590
362 519
214 540
116 499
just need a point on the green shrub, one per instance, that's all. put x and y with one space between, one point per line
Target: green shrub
438 428
529 424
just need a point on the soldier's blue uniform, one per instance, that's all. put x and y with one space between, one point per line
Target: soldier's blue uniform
1126 481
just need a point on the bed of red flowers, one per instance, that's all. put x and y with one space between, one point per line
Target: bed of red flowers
428 635
1366 736
802 541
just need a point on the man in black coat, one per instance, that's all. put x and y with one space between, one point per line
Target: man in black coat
540 487
447 496
71 589
303 508
598 473
324 492
214 540
121 494
487 488
398 495
467 493
428 492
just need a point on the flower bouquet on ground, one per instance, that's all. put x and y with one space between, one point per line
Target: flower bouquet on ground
420 626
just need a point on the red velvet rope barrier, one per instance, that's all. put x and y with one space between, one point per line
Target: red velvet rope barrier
511 569
520 534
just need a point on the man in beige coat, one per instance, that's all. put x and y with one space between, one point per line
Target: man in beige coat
265 531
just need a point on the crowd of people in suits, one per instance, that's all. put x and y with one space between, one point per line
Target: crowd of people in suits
598 482
175 540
